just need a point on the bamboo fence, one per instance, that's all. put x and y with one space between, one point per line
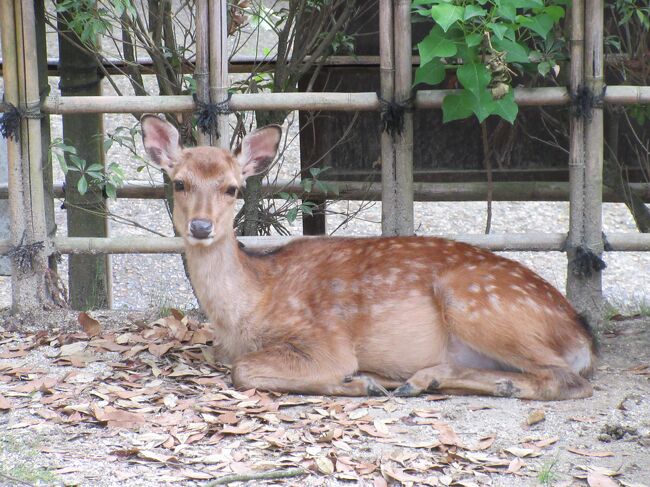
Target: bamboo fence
359 102
397 191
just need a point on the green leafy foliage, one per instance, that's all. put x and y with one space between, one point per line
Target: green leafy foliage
295 205
91 175
487 41
90 19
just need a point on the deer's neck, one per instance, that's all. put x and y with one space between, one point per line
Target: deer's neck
224 284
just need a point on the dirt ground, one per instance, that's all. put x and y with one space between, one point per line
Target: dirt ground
121 399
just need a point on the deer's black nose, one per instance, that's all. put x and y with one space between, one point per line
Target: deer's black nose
200 228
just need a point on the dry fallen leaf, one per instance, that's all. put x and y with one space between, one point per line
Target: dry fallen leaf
522 452
596 479
446 434
590 453
546 442
535 417
398 474
485 442
379 482
5 405
90 326
324 465
515 465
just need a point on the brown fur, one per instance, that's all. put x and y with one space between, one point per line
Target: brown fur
356 316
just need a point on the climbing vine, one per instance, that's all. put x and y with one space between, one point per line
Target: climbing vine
486 43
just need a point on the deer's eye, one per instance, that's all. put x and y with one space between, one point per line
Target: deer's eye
179 185
231 191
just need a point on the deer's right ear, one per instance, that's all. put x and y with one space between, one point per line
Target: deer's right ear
160 141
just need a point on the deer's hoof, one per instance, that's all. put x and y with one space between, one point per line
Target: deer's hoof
406 390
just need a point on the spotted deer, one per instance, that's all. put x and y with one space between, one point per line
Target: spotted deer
363 316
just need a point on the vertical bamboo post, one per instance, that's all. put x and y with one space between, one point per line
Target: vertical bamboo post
404 142
31 98
218 26
34 240
201 72
21 284
593 229
575 287
387 90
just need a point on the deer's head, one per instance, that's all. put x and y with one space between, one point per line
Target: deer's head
206 180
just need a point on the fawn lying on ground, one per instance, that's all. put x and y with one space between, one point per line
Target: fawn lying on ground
357 316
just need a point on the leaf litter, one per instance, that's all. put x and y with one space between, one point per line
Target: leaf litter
155 393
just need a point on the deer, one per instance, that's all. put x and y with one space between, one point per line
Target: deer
359 316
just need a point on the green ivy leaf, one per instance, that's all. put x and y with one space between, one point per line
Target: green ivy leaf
506 9
307 184
82 185
544 67
483 105
473 39
474 11
555 12
474 77
506 107
515 52
111 191
431 73
446 14
499 30
435 45
541 24
292 214
456 107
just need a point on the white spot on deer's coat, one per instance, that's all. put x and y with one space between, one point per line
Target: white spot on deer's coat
517 288
474 288
495 302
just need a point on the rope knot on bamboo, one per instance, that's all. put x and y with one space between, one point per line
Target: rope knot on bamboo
392 114
207 114
23 254
13 115
584 100
586 262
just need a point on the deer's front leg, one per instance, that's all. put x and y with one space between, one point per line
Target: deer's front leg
299 369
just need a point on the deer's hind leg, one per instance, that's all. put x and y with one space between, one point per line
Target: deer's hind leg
545 384
304 369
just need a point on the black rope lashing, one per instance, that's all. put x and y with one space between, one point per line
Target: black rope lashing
23 254
584 100
207 114
12 116
392 114
586 262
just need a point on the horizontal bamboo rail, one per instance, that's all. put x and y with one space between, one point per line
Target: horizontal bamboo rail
321 101
529 242
360 191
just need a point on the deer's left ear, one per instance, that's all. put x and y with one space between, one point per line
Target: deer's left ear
258 149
